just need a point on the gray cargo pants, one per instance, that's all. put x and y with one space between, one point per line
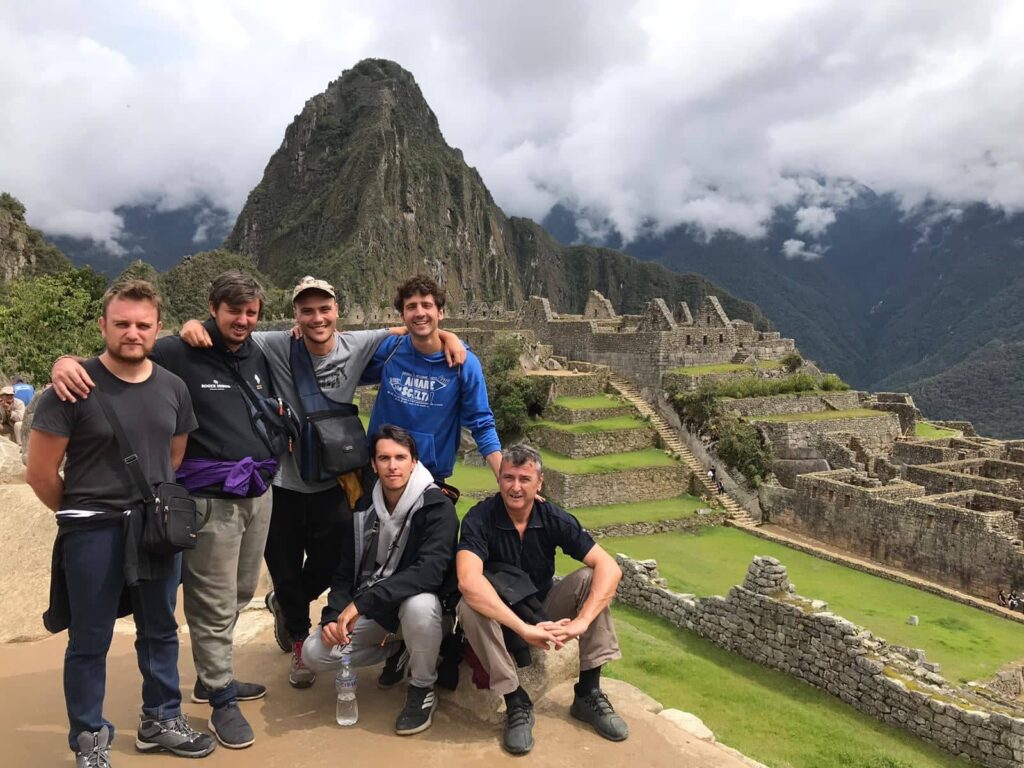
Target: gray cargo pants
219 578
598 645
420 627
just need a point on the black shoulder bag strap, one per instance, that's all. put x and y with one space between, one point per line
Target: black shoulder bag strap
128 455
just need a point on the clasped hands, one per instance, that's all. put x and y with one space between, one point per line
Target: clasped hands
553 634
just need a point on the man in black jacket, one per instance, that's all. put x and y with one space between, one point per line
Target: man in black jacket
397 563
228 467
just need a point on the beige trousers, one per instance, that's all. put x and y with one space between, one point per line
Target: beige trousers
598 645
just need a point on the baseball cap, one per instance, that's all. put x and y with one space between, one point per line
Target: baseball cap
310 283
7 390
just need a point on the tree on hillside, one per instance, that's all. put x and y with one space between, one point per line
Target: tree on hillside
44 317
186 287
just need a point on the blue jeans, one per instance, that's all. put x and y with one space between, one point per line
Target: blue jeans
93 562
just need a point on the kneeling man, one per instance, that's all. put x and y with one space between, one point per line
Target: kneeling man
396 564
516 528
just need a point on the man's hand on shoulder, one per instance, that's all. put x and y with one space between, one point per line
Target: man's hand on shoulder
70 380
454 349
195 335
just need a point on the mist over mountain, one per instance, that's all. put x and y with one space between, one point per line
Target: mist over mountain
889 299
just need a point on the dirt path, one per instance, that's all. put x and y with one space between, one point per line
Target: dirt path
296 729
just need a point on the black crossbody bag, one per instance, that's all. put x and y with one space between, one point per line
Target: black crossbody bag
170 518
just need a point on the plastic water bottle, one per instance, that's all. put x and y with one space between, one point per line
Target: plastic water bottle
347 711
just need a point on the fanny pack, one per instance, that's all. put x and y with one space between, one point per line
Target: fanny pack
170 518
332 440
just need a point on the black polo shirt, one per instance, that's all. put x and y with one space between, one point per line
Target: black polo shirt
488 532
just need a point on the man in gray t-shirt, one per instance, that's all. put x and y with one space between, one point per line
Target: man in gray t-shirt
306 525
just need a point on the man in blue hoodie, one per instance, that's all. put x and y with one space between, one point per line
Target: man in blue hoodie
425 395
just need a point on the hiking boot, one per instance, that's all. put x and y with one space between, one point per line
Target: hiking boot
593 707
244 692
231 728
518 738
284 640
394 669
93 749
418 710
174 735
299 675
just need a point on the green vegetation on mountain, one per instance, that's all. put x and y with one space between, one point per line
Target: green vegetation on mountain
23 250
364 189
46 316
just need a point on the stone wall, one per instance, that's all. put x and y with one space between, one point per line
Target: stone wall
806 402
583 445
923 452
570 383
799 439
705 518
1002 478
673 381
969 541
580 415
640 484
765 622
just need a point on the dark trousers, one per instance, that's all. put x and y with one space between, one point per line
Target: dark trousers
93 562
303 550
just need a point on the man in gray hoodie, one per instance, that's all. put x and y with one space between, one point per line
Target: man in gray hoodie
397 564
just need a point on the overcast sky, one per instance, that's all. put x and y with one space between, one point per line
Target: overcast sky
644 114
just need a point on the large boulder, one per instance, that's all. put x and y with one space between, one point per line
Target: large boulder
27 531
548 670
12 470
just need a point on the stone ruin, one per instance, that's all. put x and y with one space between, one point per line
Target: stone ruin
642 347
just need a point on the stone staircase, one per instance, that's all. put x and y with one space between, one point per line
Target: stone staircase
738 515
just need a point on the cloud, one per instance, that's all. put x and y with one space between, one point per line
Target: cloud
798 249
814 220
643 115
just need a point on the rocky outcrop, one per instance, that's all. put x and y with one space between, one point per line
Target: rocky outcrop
23 251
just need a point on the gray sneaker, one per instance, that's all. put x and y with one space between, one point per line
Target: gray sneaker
231 728
93 749
244 692
594 708
518 737
284 641
299 675
173 735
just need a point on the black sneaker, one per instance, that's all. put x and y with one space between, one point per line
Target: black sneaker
418 711
518 739
594 708
93 749
174 735
394 669
244 692
231 728
284 640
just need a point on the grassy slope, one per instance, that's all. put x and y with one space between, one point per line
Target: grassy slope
647 511
591 402
932 432
613 462
766 714
970 644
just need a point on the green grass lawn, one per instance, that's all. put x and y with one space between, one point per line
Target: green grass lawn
639 512
707 370
478 481
764 713
769 365
852 413
969 643
589 403
602 425
932 432
613 462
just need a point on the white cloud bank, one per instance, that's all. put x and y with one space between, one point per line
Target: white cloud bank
644 114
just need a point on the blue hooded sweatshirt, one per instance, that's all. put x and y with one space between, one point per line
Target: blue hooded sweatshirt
431 400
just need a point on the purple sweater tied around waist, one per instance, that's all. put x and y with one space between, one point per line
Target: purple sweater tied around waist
239 478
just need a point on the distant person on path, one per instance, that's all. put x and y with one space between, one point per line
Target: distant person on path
308 516
12 414
1001 598
393 578
515 530
91 504
422 392
712 475
23 390
229 464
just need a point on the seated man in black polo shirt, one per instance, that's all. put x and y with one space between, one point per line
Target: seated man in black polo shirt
516 528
